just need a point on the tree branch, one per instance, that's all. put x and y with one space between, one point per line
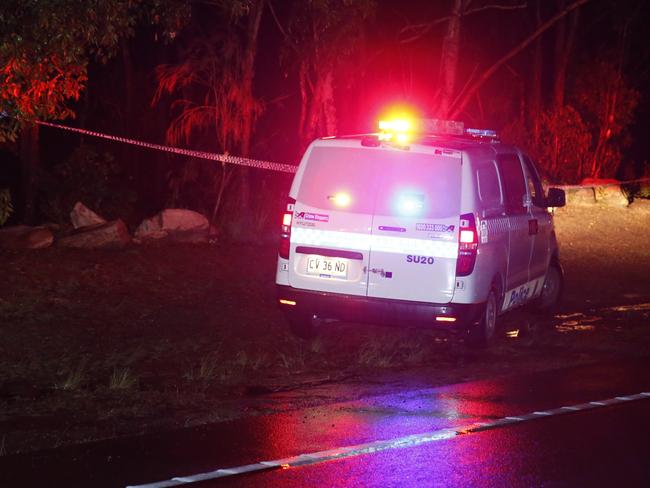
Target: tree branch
471 90
495 7
420 30
279 26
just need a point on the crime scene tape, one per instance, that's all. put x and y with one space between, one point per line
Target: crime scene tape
256 163
595 184
224 158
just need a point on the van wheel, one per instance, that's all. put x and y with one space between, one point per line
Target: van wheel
304 325
483 334
551 296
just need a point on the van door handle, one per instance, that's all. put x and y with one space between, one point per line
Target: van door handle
533 227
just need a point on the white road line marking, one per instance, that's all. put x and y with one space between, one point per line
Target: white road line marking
376 446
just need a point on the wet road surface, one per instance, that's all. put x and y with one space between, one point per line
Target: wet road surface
608 443
606 447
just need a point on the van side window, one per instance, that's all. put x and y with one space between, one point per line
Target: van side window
489 190
534 184
514 184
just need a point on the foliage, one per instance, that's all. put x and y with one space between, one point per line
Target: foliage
213 102
321 36
194 183
90 177
6 207
122 379
45 46
607 103
213 95
74 378
585 139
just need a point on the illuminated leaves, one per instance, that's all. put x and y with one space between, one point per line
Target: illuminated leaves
213 85
586 138
45 47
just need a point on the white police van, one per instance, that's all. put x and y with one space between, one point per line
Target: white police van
434 225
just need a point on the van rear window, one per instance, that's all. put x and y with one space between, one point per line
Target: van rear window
379 181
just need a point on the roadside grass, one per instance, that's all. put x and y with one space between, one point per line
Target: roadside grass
377 354
392 349
288 361
207 367
122 379
215 368
75 378
415 352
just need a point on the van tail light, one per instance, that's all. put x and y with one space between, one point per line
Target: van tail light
285 233
467 245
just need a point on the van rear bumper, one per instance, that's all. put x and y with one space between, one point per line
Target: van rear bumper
352 308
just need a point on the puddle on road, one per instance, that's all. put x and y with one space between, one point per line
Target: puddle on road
574 327
638 307
608 318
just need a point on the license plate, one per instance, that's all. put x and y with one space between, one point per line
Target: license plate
327 267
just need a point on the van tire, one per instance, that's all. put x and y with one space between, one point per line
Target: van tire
303 325
484 333
549 300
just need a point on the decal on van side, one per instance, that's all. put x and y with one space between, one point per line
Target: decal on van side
435 227
522 294
484 232
312 216
410 258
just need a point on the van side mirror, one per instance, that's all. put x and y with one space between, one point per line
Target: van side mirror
555 198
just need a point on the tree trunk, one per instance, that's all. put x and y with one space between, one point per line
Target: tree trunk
449 60
248 74
471 90
535 100
128 152
564 36
30 161
129 87
605 132
328 121
304 104
248 70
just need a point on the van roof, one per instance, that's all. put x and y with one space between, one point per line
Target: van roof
456 142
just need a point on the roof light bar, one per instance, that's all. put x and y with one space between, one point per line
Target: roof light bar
396 125
401 130
439 126
492 134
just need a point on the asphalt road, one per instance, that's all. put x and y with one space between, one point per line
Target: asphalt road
460 435
604 447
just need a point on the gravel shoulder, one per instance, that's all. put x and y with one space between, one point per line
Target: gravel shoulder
99 344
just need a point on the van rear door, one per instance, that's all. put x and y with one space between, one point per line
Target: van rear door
330 236
414 245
